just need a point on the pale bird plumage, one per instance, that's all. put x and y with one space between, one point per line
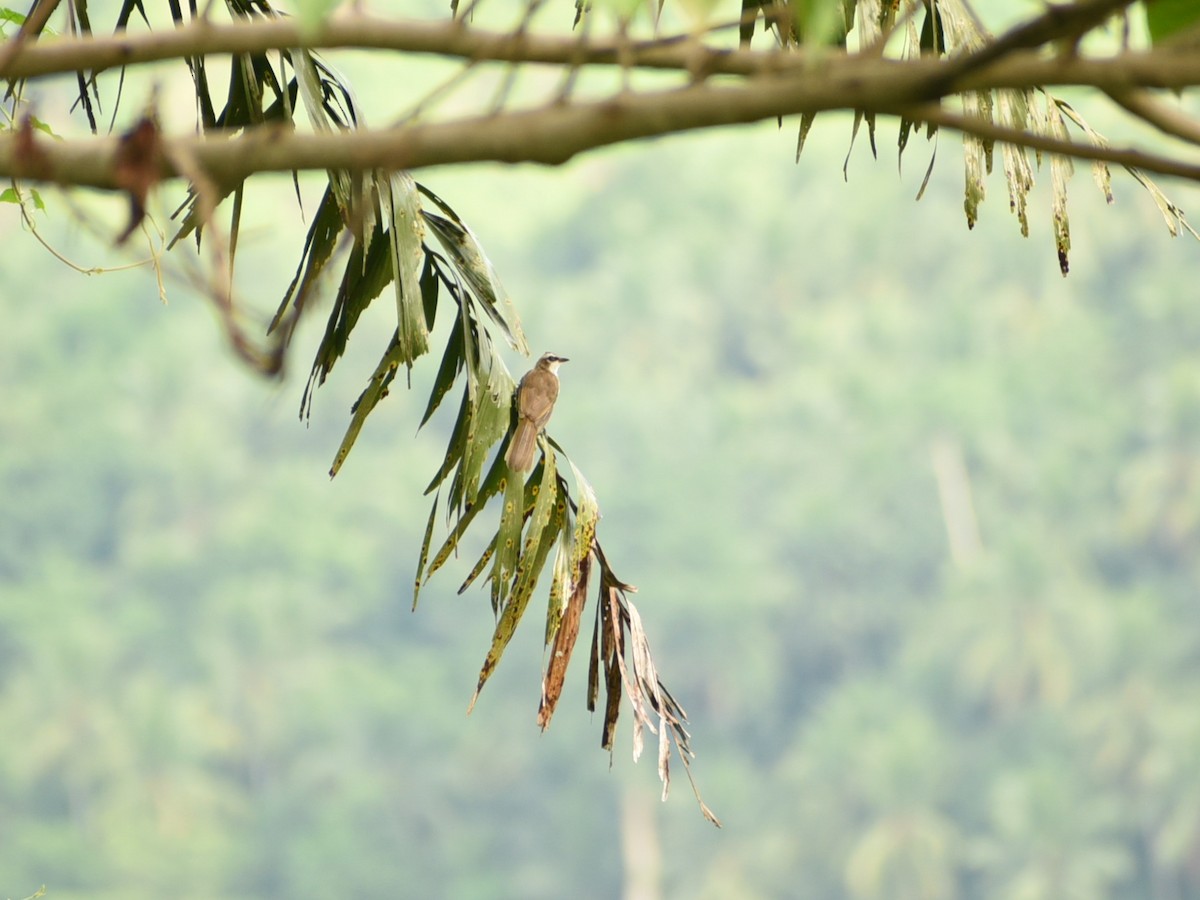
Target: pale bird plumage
535 398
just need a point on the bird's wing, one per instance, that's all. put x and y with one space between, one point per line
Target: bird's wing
538 392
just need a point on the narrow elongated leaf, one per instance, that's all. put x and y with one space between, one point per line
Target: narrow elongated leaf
977 154
363 279
489 423
911 50
492 485
465 254
593 685
376 390
423 558
322 237
560 581
858 117
476 269
612 649
1100 171
1168 18
313 96
933 35
1013 111
429 290
587 516
550 513
806 124
1172 214
480 564
566 632
452 364
454 448
508 540
539 536
1061 170
406 233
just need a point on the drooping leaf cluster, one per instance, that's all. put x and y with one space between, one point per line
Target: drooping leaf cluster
379 229
376 229
951 29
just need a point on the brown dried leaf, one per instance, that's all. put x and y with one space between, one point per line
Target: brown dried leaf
137 167
29 159
564 643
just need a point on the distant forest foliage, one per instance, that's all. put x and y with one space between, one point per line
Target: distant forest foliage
785 390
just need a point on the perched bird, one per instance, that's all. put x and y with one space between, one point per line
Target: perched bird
535 401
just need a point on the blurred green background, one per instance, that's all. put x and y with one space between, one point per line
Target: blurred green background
914 522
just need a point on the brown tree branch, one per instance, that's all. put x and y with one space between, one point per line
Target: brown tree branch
1016 67
554 134
990 131
1164 118
772 84
38 16
1058 23
452 39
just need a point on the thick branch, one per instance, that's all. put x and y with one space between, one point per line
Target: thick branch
773 84
452 39
556 133
990 131
1059 22
1165 118
1016 67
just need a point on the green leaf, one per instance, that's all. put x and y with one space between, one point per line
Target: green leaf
44 128
508 538
821 22
806 124
933 34
10 195
1167 18
469 260
317 84
452 363
318 249
424 556
587 516
467 257
533 553
406 234
492 484
311 14
362 282
454 448
491 413
429 290
376 390
547 511
480 565
559 582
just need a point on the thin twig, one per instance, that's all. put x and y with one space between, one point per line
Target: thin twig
30 29
1143 105
987 130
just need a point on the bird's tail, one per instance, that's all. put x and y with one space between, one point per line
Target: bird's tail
520 452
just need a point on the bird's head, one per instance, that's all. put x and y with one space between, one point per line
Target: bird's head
550 362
